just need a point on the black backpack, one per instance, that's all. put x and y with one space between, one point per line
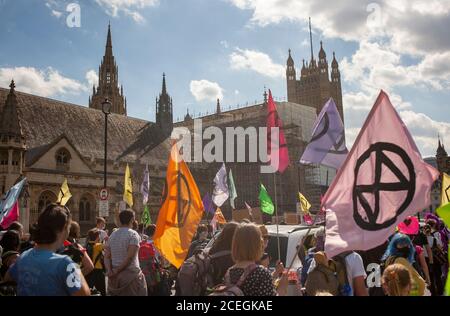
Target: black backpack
74 253
196 274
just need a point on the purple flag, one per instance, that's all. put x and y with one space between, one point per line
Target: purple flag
327 144
207 204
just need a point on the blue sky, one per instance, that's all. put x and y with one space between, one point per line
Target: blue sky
232 49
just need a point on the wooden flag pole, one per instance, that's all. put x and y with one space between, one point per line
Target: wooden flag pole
276 214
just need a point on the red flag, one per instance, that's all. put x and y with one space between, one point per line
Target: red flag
276 148
12 216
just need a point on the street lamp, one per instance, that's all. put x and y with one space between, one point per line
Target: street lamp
106 109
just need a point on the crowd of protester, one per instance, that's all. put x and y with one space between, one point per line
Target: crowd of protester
51 260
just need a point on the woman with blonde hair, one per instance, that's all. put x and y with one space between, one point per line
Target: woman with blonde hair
254 280
396 280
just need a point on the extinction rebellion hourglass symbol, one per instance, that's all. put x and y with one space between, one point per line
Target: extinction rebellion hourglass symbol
337 148
405 182
183 198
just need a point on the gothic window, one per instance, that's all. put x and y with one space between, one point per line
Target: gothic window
108 77
290 68
62 159
3 158
15 158
45 199
85 209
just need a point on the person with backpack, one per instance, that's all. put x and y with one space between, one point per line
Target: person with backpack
202 271
245 277
396 280
201 241
311 245
125 277
94 248
401 250
10 243
52 274
221 253
411 227
74 250
343 275
439 259
150 264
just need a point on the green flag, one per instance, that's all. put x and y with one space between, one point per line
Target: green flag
146 219
447 285
232 190
444 213
265 201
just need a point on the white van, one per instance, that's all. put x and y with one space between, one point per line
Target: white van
290 237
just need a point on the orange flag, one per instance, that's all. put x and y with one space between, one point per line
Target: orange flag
219 217
180 213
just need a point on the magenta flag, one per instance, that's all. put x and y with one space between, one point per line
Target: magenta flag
383 180
276 146
327 144
12 216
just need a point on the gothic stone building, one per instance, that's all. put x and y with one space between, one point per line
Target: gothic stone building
47 140
298 121
315 85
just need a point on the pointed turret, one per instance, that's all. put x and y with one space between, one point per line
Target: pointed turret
164 110
218 110
291 78
108 82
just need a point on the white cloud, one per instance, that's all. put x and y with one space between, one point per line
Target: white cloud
245 59
206 90
46 83
406 23
236 92
128 7
387 31
92 78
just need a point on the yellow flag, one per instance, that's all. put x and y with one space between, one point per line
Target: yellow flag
180 213
219 216
128 188
64 194
445 196
304 204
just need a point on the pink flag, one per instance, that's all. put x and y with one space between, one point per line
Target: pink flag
276 148
250 212
382 181
12 216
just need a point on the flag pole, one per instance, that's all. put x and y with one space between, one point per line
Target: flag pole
276 214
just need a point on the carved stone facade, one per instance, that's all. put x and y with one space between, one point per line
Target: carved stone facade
315 85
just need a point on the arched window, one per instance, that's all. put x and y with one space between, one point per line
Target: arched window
45 199
86 208
62 159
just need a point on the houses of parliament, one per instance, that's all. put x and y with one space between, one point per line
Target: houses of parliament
47 140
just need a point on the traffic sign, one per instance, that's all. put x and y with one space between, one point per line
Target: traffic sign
103 208
104 194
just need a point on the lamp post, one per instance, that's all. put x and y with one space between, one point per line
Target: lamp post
106 109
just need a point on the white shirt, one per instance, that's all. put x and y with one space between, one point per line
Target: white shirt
354 265
435 236
103 235
118 242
